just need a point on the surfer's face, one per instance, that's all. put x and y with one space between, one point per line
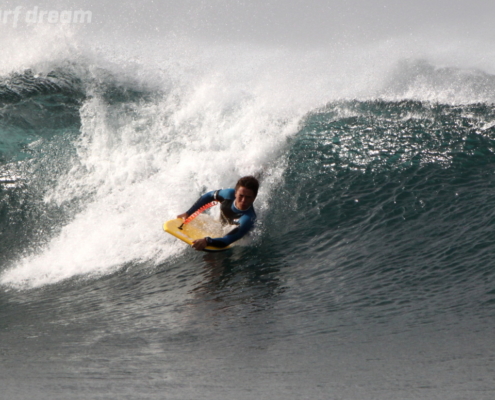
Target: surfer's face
244 198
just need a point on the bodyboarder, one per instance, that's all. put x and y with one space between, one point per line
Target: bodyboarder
236 208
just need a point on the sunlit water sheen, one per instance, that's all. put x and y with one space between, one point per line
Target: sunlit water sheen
370 272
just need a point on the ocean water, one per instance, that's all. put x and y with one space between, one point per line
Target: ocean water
369 275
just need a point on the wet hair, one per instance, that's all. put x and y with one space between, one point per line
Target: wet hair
249 182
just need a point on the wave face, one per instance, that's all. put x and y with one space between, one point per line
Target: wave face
373 249
398 198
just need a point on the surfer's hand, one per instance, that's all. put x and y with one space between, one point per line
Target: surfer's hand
199 244
183 216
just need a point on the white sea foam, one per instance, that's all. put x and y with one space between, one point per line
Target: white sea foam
213 113
143 162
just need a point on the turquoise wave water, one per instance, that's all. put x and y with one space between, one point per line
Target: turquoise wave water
398 196
373 255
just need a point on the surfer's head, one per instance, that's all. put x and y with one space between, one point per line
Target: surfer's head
246 191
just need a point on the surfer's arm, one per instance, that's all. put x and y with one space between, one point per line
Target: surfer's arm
205 199
245 225
214 195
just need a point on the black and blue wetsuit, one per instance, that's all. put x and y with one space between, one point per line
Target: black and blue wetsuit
230 215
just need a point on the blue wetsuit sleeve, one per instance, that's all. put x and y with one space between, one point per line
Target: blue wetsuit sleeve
246 222
205 199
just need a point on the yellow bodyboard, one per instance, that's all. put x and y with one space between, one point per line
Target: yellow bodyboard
203 225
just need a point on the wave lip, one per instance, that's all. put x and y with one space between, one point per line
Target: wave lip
20 86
